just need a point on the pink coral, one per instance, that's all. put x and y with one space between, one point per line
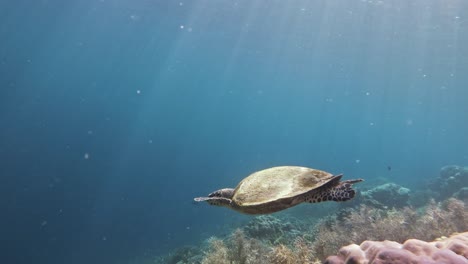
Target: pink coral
453 250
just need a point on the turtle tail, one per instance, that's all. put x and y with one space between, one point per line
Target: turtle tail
335 190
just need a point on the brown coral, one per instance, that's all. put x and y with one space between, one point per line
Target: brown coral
218 252
301 253
453 250
238 249
282 255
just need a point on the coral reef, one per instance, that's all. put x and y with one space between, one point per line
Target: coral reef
260 244
274 230
453 171
237 250
280 240
368 223
217 254
386 195
450 181
348 227
462 194
451 250
301 252
182 255
382 213
420 198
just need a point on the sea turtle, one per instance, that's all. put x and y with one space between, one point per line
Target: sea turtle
278 188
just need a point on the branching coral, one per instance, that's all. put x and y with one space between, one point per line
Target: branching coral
238 249
217 254
300 253
273 230
245 250
441 219
281 255
302 250
266 227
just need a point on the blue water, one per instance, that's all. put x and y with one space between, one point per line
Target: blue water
115 114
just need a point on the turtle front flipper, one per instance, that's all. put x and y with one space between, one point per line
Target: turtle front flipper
218 201
338 192
220 197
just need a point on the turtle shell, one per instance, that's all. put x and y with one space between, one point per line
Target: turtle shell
276 183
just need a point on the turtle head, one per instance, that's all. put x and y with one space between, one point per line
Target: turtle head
220 197
224 193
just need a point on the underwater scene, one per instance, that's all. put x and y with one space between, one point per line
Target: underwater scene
233 131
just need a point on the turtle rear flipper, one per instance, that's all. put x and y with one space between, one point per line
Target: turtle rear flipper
340 192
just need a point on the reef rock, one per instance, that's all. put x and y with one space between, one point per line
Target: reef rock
453 171
386 195
450 181
462 194
453 250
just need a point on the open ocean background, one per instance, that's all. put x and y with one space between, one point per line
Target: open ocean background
114 114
